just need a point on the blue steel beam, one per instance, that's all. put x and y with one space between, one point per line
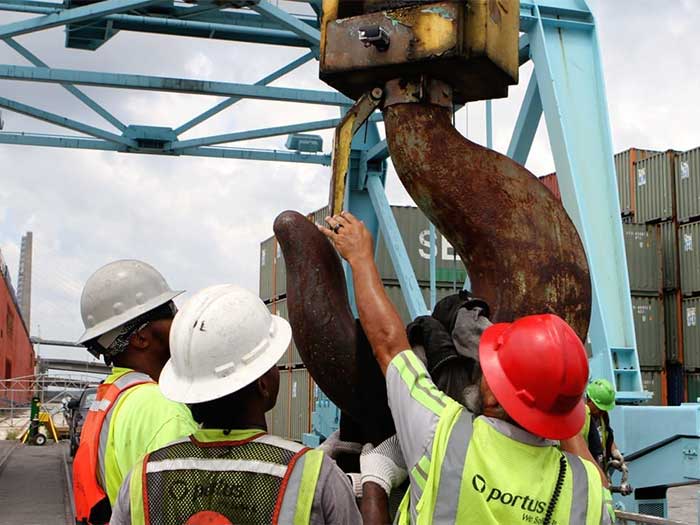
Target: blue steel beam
258 133
68 16
231 101
208 30
379 151
167 84
288 21
526 124
58 141
35 60
396 248
249 30
52 118
255 154
569 74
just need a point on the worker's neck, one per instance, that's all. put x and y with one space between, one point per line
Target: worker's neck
249 419
145 366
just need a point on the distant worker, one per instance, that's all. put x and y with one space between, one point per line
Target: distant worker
225 347
503 466
600 399
127 308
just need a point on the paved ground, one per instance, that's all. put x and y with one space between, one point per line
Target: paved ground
683 504
33 486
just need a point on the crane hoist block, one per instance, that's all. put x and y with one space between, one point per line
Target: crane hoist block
472 46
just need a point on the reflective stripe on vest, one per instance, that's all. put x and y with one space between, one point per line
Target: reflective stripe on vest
187 479
89 463
502 475
586 424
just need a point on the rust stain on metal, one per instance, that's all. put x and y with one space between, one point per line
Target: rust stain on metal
522 251
331 342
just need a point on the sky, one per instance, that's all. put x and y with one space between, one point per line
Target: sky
201 221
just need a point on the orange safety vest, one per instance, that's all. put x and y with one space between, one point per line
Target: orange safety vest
91 502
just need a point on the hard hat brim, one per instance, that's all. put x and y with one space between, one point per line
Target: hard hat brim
132 313
603 406
182 390
550 426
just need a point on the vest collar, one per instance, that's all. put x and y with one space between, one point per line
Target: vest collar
214 435
516 433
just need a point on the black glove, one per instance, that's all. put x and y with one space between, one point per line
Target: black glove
437 342
446 309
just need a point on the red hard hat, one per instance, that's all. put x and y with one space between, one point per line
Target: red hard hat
537 368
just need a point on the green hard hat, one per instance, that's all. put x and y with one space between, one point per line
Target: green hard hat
602 393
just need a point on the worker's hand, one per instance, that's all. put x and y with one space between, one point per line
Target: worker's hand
383 465
350 237
618 460
333 446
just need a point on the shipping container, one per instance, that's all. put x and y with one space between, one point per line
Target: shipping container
624 170
655 183
396 296
280 308
669 249
653 381
692 387
302 403
278 418
643 252
649 330
552 184
673 327
415 232
688 185
691 333
273 277
689 254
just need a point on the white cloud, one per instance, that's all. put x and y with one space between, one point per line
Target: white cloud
200 221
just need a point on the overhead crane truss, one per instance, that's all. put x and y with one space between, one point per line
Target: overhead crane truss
567 87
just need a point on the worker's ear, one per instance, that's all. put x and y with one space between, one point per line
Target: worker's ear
139 339
490 405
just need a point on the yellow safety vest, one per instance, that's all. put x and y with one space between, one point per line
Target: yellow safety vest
240 476
494 479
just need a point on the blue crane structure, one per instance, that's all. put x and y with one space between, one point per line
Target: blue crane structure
566 86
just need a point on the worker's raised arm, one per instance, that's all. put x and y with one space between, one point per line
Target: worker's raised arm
380 320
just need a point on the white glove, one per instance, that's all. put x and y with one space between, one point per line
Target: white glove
383 465
618 460
333 446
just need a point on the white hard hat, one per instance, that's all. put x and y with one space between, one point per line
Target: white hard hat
222 339
120 292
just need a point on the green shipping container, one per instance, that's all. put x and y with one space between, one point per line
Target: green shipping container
673 327
291 356
691 333
396 296
415 232
692 385
669 249
643 258
649 330
688 184
655 183
652 381
302 403
624 170
689 250
278 418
